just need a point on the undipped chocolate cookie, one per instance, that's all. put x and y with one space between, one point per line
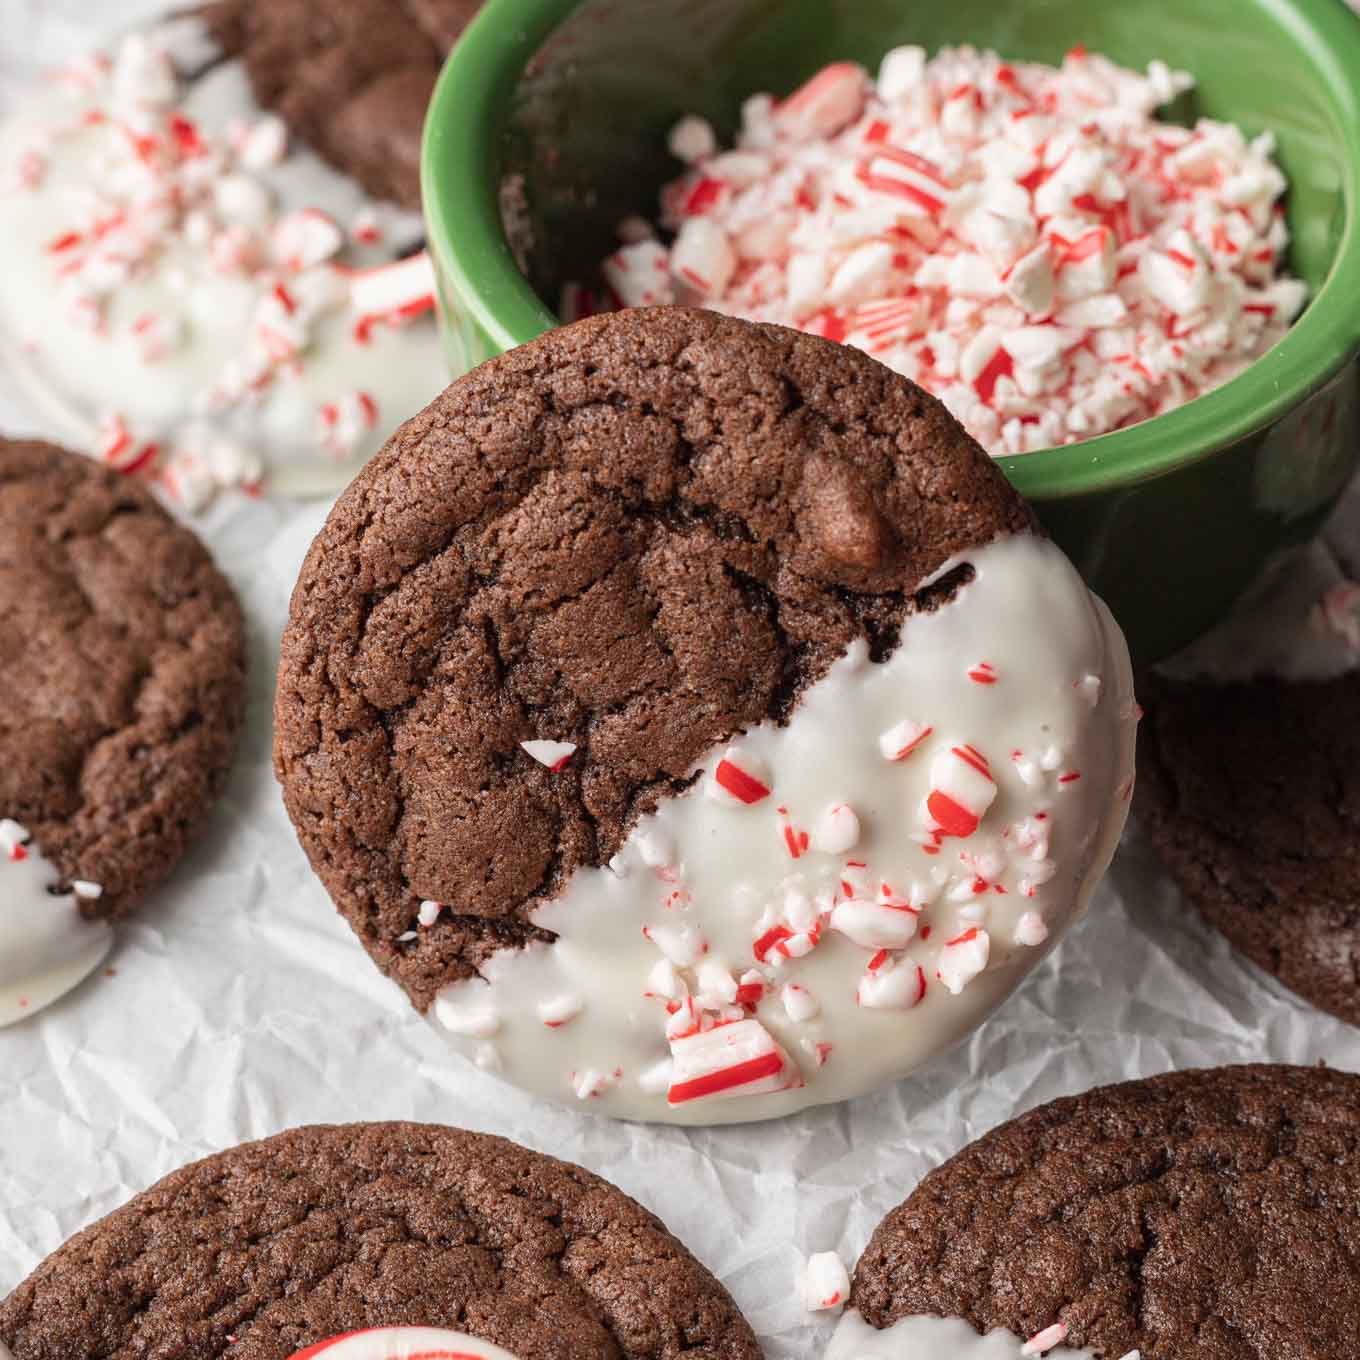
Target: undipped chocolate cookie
1196 1216
123 672
1249 788
277 1246
677 703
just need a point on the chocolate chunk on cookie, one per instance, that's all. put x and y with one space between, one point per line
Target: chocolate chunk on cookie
1250 793
1201 1215
664 636
123 672
275 1246
352 77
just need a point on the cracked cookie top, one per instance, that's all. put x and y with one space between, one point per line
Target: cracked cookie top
635 537
1207 1215
274 1246
123 672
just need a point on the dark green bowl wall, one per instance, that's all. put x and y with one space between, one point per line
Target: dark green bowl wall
590 122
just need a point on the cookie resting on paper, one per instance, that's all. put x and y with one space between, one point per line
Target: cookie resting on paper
688 715
124 679
1204 1215
276 1246
1250 794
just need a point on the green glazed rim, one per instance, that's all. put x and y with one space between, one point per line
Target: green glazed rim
459 172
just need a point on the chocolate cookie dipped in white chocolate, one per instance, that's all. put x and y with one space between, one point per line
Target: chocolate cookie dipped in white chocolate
46 946
194 298
840 896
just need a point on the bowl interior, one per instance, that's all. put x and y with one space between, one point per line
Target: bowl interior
578 134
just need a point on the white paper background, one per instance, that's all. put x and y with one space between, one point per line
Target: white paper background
240 1005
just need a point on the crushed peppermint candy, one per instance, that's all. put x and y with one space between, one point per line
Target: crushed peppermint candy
1030 243
825 1282
553 754
153 211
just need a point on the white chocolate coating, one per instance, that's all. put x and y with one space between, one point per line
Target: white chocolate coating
162 334
46 947
934 1338
408 1343
857 962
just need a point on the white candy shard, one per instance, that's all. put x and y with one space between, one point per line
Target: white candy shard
874 925
836 829
1030 929
826 1282
799 1003
963 958
394 291
553 754
889 985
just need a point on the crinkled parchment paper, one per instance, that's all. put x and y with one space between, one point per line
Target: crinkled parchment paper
240 1005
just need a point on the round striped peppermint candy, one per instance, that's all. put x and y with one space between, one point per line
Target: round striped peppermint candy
401 1343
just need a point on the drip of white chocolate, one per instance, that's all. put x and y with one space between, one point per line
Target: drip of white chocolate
935 1338
826 909
46 946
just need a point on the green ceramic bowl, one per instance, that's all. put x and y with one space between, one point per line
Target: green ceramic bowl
553 114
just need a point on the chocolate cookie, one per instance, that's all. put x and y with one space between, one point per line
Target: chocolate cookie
1195 1216
277 1245
352 77
527 632
1250 793
123 673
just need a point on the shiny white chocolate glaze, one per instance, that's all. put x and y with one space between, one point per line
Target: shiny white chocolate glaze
1062 698
931 1338
46 946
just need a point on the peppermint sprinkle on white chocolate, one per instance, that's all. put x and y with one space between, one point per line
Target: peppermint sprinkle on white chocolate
815 916
194 299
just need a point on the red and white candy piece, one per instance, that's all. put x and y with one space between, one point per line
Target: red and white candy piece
13 837
821 107
702 257
890 984
963 958
552 754
825 1283
900 740
639 275
961 791
836 829
394 292
737 1059
305 238
404 1343
344 421
738 779
875 925
1043 1342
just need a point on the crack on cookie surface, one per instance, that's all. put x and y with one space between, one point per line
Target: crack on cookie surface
626 536
124 679
1198 1216
280 1244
